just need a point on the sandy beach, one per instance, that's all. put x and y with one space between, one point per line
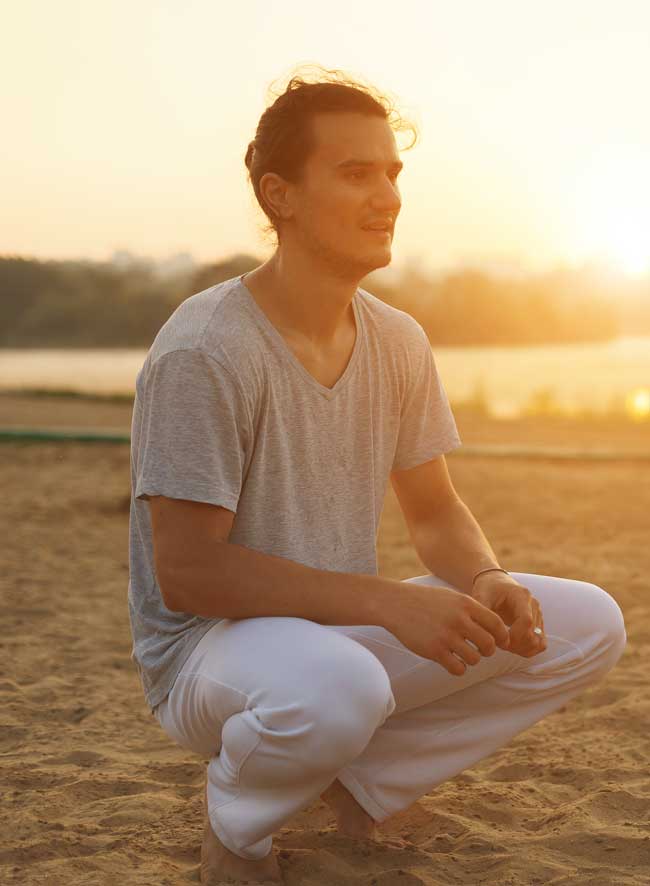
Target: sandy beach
93 792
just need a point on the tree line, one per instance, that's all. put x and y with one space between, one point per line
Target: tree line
93 304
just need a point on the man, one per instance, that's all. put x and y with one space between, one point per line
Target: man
270 413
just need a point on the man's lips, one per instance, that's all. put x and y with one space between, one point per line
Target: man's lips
377 233
371 229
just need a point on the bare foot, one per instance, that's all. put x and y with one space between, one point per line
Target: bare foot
219 865
351 819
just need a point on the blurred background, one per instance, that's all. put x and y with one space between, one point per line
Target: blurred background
523 245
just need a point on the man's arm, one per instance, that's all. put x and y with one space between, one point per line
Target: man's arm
445 533
200 572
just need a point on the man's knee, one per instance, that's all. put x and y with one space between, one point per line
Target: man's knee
345 695
592 619
605 619
354 698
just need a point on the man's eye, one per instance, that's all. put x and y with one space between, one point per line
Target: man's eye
393 177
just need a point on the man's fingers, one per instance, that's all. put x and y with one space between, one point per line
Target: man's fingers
493 624
523 637
537 630
541 637
529 617
467 652
520 638
521 631
539 618
481 638
452 663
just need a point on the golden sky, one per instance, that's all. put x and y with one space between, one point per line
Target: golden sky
125 124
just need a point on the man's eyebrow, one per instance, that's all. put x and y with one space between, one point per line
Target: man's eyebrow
354 162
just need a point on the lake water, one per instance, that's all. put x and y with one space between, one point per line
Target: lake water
578 376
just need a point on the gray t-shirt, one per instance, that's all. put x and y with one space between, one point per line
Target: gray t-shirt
225 413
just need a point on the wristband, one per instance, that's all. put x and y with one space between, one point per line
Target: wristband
489 569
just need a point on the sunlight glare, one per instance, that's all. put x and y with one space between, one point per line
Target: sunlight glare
637 403
612 208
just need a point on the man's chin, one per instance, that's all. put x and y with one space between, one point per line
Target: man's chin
380 259
360 264
369 267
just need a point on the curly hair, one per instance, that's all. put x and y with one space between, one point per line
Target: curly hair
284 139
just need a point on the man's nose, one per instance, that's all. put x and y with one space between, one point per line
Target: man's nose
388 198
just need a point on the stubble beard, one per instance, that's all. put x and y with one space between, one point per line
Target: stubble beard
345 265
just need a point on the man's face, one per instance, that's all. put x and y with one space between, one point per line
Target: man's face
350 182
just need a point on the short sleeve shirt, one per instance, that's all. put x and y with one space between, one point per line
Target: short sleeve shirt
225 413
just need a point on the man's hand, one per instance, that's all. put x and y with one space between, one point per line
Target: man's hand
516 607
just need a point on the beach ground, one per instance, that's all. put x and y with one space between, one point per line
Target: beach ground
93 792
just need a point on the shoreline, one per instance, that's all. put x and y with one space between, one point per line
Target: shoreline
96 418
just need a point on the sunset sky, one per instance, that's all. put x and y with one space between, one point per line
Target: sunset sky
125 124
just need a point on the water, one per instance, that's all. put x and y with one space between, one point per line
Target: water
579 376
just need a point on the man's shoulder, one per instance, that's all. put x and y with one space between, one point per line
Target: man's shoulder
186 327
388 322
214 322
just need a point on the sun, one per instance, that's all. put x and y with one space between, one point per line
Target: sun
611 207
638 403
628 239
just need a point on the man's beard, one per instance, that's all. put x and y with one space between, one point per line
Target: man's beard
343 265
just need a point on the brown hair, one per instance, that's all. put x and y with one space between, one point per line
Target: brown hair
284 139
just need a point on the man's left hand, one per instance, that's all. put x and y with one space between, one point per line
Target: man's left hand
517 608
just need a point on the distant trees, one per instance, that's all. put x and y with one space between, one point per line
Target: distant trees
103 304
94 304
470 307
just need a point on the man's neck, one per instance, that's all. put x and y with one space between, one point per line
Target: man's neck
314 309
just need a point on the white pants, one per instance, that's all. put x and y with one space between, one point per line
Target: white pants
283 706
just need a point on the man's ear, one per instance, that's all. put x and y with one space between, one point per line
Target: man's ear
275 191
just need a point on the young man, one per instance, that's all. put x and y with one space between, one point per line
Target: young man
271 411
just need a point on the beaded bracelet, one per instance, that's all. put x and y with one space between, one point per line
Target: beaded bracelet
489 569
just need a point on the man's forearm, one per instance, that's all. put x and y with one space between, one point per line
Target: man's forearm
453 546
232 581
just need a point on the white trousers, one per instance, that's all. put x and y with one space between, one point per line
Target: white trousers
283 706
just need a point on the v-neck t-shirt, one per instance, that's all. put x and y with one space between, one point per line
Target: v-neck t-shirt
225 413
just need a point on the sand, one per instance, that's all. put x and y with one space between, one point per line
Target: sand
93 792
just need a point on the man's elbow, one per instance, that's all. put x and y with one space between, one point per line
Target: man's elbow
191 584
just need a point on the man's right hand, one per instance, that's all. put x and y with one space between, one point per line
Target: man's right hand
435 622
